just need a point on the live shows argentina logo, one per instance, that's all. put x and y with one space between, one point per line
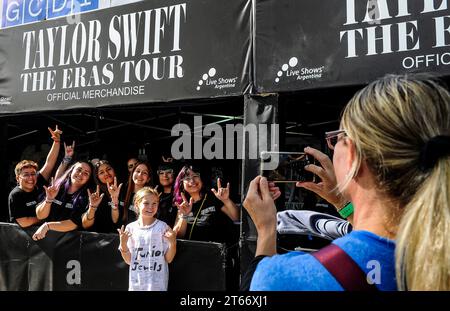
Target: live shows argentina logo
209 79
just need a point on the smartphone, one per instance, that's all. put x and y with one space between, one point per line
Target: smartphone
286 167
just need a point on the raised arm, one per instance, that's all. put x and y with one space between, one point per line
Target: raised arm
123 247
327 187
180 225
52 156
184 209
223 194
171 237
43 209
69 150
88 217
261 208
114 192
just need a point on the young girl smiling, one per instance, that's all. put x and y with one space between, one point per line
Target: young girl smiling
148 245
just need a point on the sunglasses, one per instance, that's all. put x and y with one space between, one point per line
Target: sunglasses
332 138
165 172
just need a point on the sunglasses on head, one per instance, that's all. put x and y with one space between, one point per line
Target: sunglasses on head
163 172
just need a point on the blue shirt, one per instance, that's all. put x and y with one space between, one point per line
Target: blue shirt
301 271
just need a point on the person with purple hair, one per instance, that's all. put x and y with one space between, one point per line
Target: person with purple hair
205 215
66 200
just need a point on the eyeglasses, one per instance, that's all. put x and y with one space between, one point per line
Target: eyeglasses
28 175
333 137
195 177
131 165
165 172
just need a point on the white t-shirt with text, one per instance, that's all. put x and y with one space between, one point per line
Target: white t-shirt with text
149 270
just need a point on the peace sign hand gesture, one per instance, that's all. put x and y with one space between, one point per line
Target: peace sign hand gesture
114 190
185 207
56 134
223 194
95 198
51 191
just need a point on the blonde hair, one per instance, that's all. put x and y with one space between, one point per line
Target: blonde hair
139 196
389 122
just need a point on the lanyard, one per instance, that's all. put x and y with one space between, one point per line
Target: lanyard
196 217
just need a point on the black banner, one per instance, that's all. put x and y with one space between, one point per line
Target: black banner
258 111
91 261
320 43
151 51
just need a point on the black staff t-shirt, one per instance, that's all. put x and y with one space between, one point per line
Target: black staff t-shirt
167 212
67 207
131 214
22 203
207 222
103 222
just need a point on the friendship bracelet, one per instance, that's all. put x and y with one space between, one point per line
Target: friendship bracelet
67 159
114 206
183 216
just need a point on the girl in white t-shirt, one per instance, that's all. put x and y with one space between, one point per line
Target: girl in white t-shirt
148 245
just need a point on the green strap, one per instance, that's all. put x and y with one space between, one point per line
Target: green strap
346 211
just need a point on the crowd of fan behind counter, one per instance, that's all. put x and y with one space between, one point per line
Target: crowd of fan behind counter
87 196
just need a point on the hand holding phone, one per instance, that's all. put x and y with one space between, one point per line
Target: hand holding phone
326 184
286 167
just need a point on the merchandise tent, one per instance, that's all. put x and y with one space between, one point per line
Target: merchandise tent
118 80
